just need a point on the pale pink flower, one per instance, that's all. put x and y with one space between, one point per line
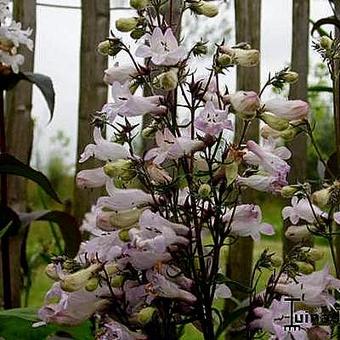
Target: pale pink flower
159 286
267 159
115 330
163 49
247 221
245 101
129 105
171 147
91 178
71 308
302 209
213 121
288 109
264 182
336 217
312 289
121 74
103 149
123 199
222 291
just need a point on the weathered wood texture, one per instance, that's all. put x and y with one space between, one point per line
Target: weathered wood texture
248 29
299 90
19 140
95 26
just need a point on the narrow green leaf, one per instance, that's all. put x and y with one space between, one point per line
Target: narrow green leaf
332 20
318 88
12 166
4 230
68 225
44 83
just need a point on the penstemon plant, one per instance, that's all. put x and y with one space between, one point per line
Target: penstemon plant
151 263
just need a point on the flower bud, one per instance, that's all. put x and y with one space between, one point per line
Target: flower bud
146 315
276 261
313 254
126 24
204 190
124 235
298 233
111 268
321 197
204 8
139 4
326 42
78 280
200 49
288 191
51 272
92 284
120 168
167 81
137 33
304 267
274 122
117 281
242 57
290 77
231 172
109 47
224 60
289 134
245 103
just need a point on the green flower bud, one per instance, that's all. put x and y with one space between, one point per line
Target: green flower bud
167 81
290 77
121 168
276 261
288 191
78 280
326 42
204 190
146 315
231 172
224 60
200 49
126 24
137 33
275 122
204 8
139 4
109 47
111 268
124 235
313 254
92 284
149 132
304 267
321 197
289 134
117 281
51 272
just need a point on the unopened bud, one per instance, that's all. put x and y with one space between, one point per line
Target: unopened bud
304 267
74 282
51 272
231 172
200 49
289 134
111 268
276 261
288 191
137 33
126 24
275 122
120 168
290 77
204 8
139 4
167 81
313 254
117 281
146 315
204 190
326 42
92 284
224 60
124 235
109 47
321 197
298 233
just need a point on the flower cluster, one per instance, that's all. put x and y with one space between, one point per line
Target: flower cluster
152 258
11 36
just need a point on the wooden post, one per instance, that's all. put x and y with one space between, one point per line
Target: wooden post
248 29
95 26
299 90
19 143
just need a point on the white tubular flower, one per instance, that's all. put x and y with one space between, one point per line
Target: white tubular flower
121 74
288 109
163 49
103 149
91 178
